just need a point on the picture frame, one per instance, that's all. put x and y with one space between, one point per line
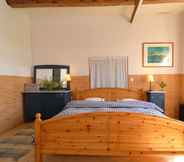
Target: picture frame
158 54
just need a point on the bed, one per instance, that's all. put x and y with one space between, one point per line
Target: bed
108 133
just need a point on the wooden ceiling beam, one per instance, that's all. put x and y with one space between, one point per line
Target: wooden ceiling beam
162 1
138 5
77 3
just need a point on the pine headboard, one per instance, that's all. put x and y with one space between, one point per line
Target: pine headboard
110 94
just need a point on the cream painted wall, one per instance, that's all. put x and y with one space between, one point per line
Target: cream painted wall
15 50
71 35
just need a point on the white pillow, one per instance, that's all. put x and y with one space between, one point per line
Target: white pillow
127 99
95 99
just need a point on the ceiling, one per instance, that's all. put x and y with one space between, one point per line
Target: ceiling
133 7
66 3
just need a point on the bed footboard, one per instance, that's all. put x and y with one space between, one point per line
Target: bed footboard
109 134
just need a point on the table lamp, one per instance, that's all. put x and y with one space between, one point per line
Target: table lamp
68 79
150 80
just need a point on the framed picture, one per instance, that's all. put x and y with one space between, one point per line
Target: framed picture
158 54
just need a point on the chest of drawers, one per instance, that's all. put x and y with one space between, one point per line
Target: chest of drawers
48 103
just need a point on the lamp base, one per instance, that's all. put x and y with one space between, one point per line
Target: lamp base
150 89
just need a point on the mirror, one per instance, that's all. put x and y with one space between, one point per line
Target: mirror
43 74
56 73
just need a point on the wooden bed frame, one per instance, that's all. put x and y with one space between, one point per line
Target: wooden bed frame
109 133
110 94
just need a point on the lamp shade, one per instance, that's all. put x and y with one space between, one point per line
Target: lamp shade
131 79
67 77
150 78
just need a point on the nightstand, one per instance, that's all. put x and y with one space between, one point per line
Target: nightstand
181 112
157 97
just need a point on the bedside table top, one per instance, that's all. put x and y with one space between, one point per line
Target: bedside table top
59 91
156 92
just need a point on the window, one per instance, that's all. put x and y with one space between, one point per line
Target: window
111 72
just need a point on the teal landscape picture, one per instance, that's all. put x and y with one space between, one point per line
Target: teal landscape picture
158 54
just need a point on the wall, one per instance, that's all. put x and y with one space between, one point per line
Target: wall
62 36
182 58
15 63
182 89
173 88
11 88
71 35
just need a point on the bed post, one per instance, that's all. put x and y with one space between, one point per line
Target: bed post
38 155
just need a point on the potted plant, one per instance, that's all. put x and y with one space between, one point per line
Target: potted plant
162 85
50 85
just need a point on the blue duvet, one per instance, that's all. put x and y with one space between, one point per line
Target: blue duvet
77 107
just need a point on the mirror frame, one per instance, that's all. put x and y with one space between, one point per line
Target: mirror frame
36 67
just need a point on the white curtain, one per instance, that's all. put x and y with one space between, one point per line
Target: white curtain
109 72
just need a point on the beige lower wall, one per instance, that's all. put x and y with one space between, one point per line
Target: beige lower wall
173 89
11 110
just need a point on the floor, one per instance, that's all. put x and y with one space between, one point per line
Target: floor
17 144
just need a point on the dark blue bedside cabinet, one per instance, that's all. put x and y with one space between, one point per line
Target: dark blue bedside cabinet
181 112
157 97
48 103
